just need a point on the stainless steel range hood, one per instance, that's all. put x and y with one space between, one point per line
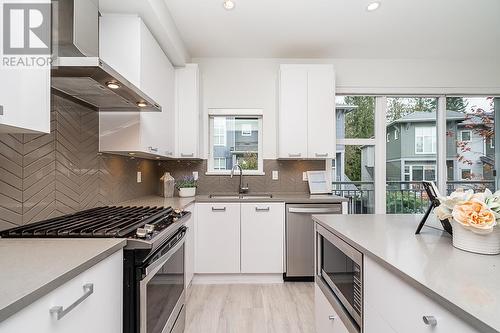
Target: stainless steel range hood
77 71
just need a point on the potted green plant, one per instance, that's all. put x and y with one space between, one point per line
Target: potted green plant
186 186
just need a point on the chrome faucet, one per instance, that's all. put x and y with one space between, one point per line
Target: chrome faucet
241 189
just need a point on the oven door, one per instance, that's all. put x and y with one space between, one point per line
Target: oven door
340 267
162 300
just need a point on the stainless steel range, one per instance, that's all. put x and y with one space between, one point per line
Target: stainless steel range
154 300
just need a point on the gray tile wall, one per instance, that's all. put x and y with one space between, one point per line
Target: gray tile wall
43 176
290 176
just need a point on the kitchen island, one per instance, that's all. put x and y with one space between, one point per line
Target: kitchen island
465 284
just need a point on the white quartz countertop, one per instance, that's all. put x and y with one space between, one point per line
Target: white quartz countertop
467 284
31 268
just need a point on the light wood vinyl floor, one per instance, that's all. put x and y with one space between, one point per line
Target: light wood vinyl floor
239 308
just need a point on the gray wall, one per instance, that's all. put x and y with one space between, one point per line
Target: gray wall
290 176
47 175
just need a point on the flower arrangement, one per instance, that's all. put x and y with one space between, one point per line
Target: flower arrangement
475 218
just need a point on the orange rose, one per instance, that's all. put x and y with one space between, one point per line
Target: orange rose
474 215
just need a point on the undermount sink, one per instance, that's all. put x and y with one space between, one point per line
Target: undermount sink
257 196
241 196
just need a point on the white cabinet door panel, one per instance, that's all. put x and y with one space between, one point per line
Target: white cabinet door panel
189 247
218 238
327 320
187 111
321 112
292 133
262 237
404 307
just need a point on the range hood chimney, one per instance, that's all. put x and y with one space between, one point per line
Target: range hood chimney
77 71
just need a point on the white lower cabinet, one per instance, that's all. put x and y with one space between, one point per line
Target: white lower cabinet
402 307
189 246
243 238
262 237
218 238
327 320
101 311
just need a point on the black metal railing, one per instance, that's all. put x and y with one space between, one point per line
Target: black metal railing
401 197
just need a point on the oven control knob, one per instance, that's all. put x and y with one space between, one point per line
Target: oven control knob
149 228
141 233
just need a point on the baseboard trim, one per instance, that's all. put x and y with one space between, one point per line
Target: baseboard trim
237 278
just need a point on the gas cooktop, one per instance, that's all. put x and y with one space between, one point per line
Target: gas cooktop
145 227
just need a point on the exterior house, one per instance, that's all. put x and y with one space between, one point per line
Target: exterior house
412 145
234 140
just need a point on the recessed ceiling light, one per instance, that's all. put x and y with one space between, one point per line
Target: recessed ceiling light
112 85
228 4
372 6
142 104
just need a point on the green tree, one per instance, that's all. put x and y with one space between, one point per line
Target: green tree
458 104
360 123
353 163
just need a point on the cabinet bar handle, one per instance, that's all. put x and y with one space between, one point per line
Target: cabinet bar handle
215 209
88 289
1 110
429 320
332 317
262 209
322 155
295 155
187 155
153 149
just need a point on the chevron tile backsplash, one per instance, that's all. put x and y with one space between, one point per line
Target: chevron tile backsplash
43 176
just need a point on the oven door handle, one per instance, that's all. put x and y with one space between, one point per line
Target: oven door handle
156 265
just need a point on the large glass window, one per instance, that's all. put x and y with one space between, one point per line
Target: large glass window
410 152
470 126
353 169
235 140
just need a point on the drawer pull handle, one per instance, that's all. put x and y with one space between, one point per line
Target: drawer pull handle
294 155
332 317
88 289
429 320
222 209
187 155
321 155
153 149
262 209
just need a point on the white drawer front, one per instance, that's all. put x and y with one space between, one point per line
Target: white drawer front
403 307
101 311
327 320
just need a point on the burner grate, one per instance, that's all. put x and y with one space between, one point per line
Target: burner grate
109 221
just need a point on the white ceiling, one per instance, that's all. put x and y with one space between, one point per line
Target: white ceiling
339 28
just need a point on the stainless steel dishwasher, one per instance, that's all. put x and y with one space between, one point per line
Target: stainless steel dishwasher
300 238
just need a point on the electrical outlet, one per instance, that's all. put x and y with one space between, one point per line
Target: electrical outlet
195 175
139 177
275 175
304 176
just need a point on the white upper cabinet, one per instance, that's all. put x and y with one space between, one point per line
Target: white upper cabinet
128 46
187 112
25 100
292 121
306 112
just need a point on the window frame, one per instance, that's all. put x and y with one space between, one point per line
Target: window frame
433 141
462 135
462 174
234 113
